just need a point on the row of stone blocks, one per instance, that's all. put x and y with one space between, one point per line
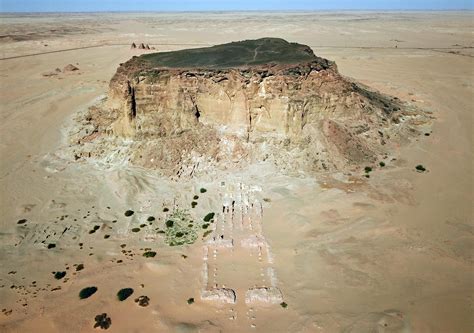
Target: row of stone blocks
260 295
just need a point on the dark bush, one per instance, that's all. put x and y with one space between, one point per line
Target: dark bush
87 292
420 168
149 254
209 217
124 293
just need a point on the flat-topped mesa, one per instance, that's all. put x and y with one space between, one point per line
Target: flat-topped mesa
253 100
224 85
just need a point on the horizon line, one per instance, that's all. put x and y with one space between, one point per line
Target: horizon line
247 11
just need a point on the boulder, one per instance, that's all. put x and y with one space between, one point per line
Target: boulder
220 295
267 295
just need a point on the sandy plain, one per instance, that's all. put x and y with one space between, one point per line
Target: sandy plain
390 254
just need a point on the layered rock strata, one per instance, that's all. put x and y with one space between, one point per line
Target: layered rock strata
265 100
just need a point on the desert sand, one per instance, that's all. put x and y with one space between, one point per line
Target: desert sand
393 253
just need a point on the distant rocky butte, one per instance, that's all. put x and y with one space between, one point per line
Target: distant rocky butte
229 105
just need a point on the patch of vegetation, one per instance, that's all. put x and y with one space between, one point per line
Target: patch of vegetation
150 218
382 164
143 225
207 233
203 190
367 169
267 199
179 229
283 305
106 236
194 204
102 321
79 267
87 292
196 197
22 221
420 168
124 293
136 229
205 225
51 246
59 275
209 217
149 254
129 213
190 300
165 210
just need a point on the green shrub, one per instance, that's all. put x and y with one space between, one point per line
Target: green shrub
209 217
87 292
124 293
203 190
420 168
149 254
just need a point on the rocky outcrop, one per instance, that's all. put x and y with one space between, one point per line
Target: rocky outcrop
70 68
280 103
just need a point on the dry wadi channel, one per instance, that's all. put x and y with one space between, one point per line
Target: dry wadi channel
88 245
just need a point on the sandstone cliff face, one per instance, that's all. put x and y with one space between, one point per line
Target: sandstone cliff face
301 115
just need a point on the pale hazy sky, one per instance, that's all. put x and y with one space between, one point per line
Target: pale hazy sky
193 5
